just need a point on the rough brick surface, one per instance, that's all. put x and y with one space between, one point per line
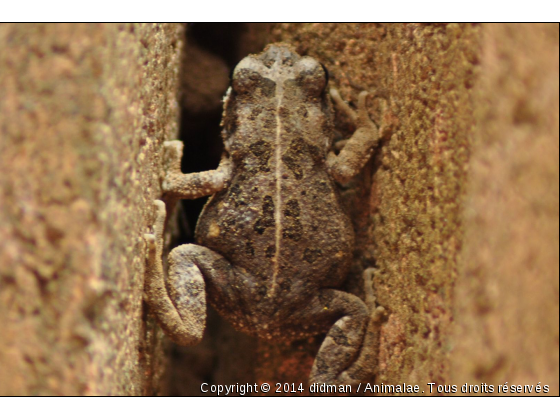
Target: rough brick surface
83 110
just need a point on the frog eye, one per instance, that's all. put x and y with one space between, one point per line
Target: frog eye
245 80
313 77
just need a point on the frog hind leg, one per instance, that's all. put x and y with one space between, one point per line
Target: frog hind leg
339 359
195 273
179 301
365 366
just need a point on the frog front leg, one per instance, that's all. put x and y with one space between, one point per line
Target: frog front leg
194 185
358 149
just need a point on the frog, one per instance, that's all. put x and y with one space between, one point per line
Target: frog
273 243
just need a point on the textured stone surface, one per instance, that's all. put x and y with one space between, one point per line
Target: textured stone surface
507 293
83 111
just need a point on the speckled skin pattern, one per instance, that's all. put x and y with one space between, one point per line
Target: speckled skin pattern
273 242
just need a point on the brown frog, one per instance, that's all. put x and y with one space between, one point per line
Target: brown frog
273 242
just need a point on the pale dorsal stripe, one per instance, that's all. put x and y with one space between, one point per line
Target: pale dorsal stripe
278 170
